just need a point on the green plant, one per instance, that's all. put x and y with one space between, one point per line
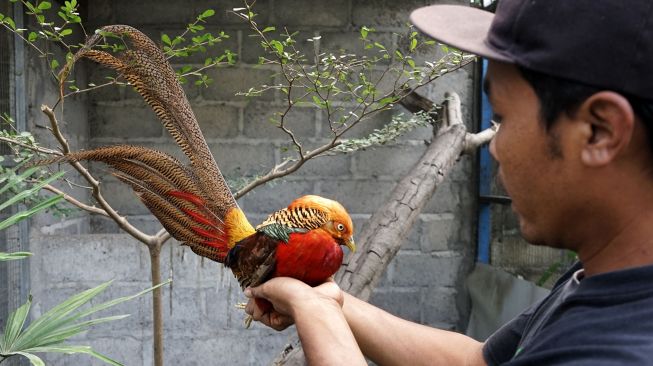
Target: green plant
49 332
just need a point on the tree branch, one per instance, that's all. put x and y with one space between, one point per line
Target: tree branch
30 147
75 202
384 234
122 222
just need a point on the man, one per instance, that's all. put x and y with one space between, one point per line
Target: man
571 82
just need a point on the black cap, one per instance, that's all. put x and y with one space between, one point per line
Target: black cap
602 43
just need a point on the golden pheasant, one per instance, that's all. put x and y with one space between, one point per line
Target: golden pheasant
193 202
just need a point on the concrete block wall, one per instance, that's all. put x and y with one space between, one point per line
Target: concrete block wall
423 283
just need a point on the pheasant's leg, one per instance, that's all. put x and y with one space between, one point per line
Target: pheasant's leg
248 319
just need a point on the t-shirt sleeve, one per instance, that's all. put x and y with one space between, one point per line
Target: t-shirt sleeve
501 346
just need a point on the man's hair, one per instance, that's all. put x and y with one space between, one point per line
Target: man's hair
557 95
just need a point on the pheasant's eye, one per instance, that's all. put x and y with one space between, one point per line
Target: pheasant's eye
340 227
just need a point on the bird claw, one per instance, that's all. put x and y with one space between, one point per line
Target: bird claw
248 321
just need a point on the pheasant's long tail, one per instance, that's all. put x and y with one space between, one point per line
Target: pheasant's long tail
146 68
172 192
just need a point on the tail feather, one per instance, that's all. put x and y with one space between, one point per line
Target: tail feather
146 68
205 214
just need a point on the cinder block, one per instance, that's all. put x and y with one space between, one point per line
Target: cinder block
274 196
113 257
364 127
122 121
294 13
226 348
412 240
446 199
141 13
388 13
237 160
439 306
122 198
438 232
404 303
126 350
350 42
99 75
188 269
262 120
224 15
217 121
393 160
100 14
359 196
228 81
426 270
329 166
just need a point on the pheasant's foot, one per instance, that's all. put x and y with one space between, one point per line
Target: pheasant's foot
240 305
248 321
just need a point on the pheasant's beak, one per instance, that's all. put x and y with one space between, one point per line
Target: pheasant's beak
349 243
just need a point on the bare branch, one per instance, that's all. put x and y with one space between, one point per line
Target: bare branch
75 202
30 147
122 222
474 140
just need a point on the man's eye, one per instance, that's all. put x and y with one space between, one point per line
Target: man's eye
496 118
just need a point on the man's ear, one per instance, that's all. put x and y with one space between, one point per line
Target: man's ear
610 122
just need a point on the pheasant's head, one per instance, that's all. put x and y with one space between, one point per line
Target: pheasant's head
338 222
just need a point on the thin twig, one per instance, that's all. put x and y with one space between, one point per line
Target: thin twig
30 147
75 202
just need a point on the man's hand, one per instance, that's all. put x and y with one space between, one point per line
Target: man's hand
289 296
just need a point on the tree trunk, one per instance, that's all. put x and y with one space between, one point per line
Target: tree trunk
384 234
157 311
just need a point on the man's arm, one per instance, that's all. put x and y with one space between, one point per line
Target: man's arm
389 340
327 321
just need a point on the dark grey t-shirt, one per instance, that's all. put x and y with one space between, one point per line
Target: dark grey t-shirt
605 319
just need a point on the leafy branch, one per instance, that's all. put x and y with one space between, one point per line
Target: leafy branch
349 88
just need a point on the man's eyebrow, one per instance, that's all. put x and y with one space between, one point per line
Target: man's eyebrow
486 86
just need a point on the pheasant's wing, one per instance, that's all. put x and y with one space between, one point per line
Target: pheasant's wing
253 259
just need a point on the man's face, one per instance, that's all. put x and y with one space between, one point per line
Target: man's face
532 164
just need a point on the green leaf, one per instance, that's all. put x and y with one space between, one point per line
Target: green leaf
33 359
26 193
30 212
268 29
44 5
207 13
413 44
166 39
10 22
54 64
277 46
13 256
65 32
14 325
32 36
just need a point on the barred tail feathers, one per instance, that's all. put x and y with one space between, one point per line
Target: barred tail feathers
172 193
146 68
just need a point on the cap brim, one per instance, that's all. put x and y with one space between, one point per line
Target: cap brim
459 26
